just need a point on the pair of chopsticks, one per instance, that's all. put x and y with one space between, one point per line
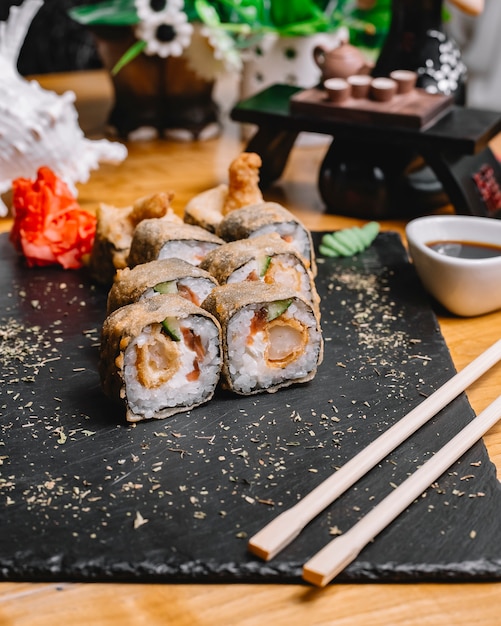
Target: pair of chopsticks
340 552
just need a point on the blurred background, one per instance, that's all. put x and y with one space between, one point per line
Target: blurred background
55 43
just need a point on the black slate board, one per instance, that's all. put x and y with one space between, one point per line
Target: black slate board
74 477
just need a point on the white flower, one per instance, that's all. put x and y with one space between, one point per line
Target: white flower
224 47
212 52
146 9
166 34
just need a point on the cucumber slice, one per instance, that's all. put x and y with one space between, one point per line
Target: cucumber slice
169 286
277 308
170 326
264 264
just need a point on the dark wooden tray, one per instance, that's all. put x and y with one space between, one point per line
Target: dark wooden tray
417 109
86 497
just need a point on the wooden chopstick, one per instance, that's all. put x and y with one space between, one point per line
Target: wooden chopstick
340 552
278 533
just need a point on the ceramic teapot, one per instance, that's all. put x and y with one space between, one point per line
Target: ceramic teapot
340 62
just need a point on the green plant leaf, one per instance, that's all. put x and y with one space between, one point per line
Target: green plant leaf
289 12
134 51
240 11
303 29
207 13
110 12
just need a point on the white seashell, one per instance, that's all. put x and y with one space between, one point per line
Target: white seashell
39 127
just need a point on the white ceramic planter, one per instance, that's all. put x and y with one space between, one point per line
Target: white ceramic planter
287 60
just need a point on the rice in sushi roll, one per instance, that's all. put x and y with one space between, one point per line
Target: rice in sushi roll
264 218
267 258
157 277
158 239
160 356
271 336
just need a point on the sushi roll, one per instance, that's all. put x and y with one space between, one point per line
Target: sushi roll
267 258
267 217
158 239
271 336
115 227
157 277
160 356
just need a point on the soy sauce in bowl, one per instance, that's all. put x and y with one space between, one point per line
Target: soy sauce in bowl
465 286
465 249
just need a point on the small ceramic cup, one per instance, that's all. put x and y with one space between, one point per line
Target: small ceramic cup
405 79
383 89
338 89
360 85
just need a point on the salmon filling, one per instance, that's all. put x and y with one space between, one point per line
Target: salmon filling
286 341
157 360
194 343
188 294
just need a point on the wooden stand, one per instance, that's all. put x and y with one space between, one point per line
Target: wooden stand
417 109
368 168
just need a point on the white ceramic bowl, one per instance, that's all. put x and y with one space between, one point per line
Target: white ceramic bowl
466 287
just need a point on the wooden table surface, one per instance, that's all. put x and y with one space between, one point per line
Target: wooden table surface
187 169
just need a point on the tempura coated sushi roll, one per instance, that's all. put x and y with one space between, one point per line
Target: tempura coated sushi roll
267 258
271 336
158 239
264 218
167 276
115 227
160 356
